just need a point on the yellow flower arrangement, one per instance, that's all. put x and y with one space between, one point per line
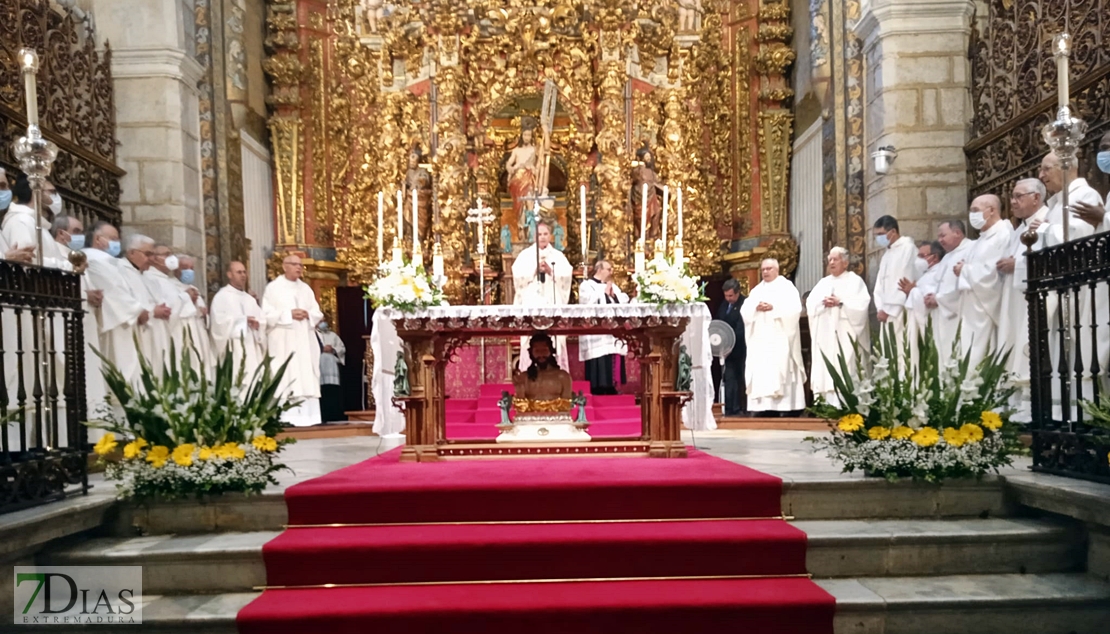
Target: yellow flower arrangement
183 454
878 433
105 445
205 453
850 423
955 437
926 437
973 432
901 432
158 455
264 443
229 451
991 420
134 448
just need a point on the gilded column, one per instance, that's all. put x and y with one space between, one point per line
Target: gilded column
285 70
775 126
450 165
611 171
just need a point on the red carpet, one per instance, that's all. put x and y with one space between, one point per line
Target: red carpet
591 545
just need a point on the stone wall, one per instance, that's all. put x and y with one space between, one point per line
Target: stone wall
917 100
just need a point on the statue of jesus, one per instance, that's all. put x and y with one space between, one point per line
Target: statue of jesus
523 169
645 174
544 380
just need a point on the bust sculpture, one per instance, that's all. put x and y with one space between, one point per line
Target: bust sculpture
544 380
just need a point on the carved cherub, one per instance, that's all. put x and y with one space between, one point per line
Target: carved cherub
371 14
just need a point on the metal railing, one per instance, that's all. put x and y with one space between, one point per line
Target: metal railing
43 446
1068 311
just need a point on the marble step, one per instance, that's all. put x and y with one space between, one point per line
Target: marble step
230 562
984 604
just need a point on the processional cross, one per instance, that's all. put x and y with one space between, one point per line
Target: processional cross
481 215
539 194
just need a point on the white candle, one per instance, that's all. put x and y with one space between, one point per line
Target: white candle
643 215
1062 80
28 59
679 233
400 217
639 261
415 228
381 218
584 237
666 203
437 265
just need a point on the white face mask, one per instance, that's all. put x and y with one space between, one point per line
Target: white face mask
976 219
56 205
171 262
922 265
882 240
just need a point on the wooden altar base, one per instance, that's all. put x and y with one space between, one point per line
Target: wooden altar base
787 424
331 430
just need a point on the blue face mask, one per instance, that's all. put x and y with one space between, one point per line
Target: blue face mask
77 242
188 275
5 198
882 240
1103 162
113 248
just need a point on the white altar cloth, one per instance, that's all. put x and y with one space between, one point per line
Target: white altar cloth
696 415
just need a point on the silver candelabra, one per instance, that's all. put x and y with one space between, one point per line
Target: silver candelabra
35 154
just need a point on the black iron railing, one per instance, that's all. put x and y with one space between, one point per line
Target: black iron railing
1068 311
43 448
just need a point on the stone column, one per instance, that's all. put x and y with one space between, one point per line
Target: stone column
157 118
916 100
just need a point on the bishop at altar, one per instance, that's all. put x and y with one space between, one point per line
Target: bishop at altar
542 277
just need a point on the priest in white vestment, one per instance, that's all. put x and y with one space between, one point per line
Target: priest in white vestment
774 370
1027 205
154 335
21 227
184 278
837 308
981 282
237 323
897 264
600 351
542 277
946 317
921 301
291 313
122 315
159 279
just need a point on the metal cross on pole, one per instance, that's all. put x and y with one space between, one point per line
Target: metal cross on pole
481 215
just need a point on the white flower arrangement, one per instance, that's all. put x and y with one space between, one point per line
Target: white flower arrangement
406 287
666 282
926 422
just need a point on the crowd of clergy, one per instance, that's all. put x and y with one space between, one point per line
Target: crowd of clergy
140 301
971 291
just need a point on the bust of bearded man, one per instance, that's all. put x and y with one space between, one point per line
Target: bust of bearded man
544 380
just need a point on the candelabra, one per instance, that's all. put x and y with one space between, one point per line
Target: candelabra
35 154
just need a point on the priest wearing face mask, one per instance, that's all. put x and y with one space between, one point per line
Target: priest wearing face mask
21 228
184 276
921 294
899 253
980 282
121 313
20 255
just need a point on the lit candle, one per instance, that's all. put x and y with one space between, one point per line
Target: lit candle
582 204
381 212
29 61
400 217
666 203
643 214
1062 45
679 233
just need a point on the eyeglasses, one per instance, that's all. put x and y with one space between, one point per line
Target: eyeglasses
1018 196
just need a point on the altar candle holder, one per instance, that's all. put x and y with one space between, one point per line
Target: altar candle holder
35 154
638 256
677 252
398 252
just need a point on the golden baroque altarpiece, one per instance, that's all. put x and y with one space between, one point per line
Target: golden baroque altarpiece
371 95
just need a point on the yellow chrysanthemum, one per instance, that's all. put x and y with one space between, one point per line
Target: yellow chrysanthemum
264 443
991 420
157 456
204 454
926 437
973 432
954 437
878 433
901 432
229 451
105 445
183 454
134 448
850 423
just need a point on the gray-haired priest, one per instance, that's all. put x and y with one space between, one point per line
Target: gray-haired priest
601 351
837 308
774 371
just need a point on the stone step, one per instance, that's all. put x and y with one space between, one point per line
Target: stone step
985 604
231 562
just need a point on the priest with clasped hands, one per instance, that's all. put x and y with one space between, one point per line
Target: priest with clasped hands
837 308
774 371
542 277
290 312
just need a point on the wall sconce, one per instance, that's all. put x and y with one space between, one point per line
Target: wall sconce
883 158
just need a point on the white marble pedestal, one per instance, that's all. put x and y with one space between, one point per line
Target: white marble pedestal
543 427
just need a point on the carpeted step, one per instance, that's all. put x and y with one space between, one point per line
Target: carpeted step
488 552
384 490
752 606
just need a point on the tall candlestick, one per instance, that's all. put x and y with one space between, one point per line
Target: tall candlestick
666 203
582 203
643 214
1062 45
381 212
678 236
29 62
400 232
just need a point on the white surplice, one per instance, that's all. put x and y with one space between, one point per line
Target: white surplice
835 328
593 346
917 313
287 337
119 314
1013 325
528 290
981 287
96 391
774 371
230 309
181 309
897 264
946 317
19 231
154 335
197 326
